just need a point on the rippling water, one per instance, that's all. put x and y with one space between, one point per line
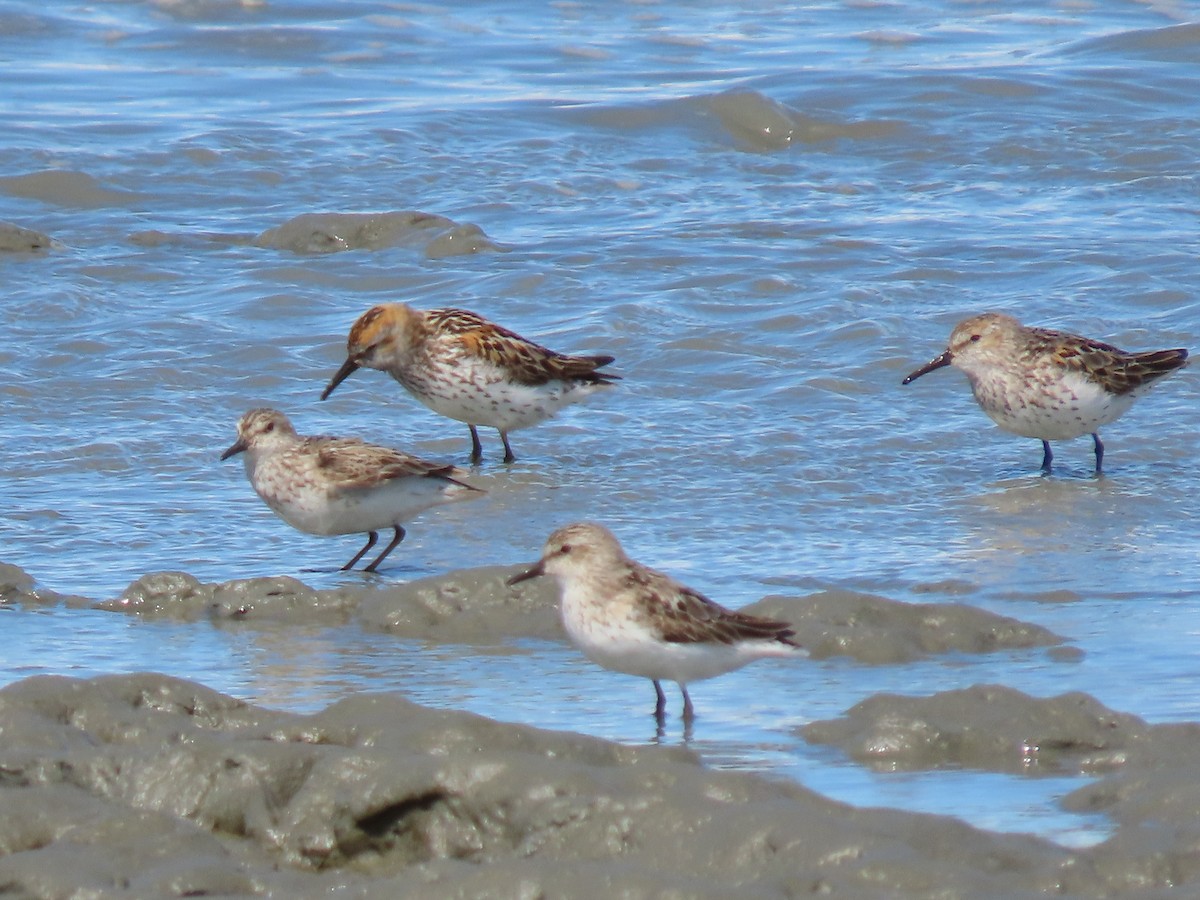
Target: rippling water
768 214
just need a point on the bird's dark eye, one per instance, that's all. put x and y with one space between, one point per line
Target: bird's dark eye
975 337
564 549
270 427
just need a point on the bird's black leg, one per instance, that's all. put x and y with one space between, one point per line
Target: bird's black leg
476 447
660 708
1047 456
508 454
386 550
1099 451
689 713
372 537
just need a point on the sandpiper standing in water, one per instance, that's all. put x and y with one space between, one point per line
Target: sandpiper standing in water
464 367
330 485
630 618
1046 384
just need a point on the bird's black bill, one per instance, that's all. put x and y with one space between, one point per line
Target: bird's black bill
234 450
532 572
936 363
347 369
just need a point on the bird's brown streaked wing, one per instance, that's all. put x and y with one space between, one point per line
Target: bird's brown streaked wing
1142 368
350 463
452 320
525 361
685 616
1117 370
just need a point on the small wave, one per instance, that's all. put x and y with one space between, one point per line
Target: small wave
1173 43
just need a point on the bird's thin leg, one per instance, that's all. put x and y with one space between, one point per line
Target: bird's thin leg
508 454
660 708
476 447
1047 456
1099 451
689 713
386 550
372 537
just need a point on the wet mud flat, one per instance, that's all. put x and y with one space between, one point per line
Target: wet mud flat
151 785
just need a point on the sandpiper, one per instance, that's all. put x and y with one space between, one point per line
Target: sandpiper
1046 384
464 367
330 485
630 618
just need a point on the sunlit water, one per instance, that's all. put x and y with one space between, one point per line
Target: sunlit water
768 214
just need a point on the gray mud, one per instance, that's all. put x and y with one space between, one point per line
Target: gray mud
316 233
67 188
761 124
867 628
17 239
874 629
984 727
147 785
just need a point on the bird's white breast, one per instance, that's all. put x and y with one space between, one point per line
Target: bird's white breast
294 486
1059 407
607 628
475 391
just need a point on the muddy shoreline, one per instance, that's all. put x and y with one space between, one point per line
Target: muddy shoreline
151 785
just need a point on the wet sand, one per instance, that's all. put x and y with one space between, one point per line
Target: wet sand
149 785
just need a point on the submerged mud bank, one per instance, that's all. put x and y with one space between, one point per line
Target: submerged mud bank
18 239
146 785
334 232
475 606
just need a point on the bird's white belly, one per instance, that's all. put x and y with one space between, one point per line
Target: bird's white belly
1054 411
311 506
482 395
625 645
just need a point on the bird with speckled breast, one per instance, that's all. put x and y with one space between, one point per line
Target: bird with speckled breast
466 368
1050 385
332 485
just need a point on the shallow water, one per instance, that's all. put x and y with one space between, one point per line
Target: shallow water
768 215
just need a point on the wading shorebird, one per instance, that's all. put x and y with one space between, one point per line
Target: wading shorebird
1046 384
464 367
331 485
630 618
